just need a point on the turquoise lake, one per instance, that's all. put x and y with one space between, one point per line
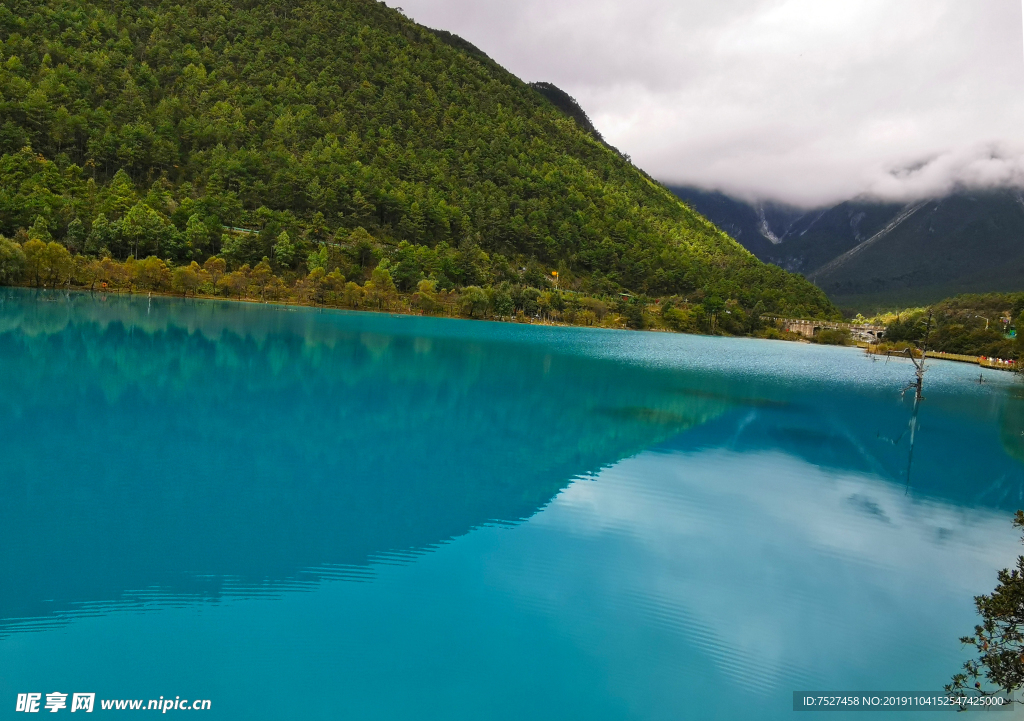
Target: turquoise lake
315 514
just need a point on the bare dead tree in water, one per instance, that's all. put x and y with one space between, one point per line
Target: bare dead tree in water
917 385
919 370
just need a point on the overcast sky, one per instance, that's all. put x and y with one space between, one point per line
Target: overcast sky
803 101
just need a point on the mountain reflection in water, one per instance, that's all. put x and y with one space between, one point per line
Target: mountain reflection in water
179 445
588 515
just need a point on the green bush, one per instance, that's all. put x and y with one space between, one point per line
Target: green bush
833 337
12 261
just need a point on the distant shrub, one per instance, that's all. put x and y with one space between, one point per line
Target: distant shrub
833 337
894 348
679 320
633 315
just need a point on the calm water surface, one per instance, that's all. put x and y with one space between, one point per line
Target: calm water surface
328 515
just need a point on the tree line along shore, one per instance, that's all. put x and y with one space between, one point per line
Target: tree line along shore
360 274
397 284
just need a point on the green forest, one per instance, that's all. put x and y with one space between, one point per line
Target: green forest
314 140
972 324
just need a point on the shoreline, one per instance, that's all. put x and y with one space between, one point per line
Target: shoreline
995 364
981 362
397 312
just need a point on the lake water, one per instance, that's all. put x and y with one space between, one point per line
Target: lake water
325 515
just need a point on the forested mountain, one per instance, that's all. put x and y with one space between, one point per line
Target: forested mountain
749 224
568 105
965 243
279 129
814 239
868 255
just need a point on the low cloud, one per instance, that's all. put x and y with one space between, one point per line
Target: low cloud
797 101
983 167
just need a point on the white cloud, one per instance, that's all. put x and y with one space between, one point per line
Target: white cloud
795 100
784 577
